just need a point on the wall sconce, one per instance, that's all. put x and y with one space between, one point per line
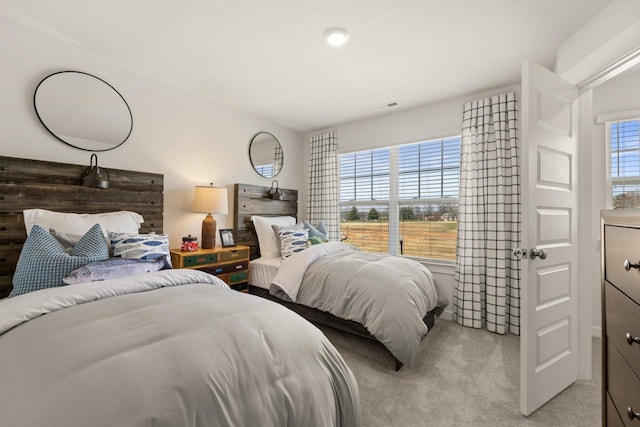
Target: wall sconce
275 193
92 175
209 200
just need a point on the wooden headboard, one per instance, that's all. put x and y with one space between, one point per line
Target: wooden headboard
29 184
254 200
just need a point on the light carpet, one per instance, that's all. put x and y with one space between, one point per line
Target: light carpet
461 377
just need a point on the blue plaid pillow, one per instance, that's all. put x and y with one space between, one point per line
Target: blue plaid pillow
43 261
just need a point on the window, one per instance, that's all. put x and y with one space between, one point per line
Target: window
623 142
402 200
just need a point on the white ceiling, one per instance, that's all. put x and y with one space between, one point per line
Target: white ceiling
268 58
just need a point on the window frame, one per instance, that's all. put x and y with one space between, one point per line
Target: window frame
610 180
394 203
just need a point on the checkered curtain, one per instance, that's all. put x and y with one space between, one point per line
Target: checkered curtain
322 201
487 274
278 159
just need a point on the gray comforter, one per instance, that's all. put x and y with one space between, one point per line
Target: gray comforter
174 348
388 295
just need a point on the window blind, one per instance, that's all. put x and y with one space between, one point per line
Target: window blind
402 199
624 156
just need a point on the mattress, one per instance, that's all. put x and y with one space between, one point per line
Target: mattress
262 271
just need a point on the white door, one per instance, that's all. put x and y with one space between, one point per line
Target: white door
548 342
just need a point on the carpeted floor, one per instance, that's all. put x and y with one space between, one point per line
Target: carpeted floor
461 377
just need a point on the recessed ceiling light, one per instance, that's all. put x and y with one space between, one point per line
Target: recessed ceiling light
336 36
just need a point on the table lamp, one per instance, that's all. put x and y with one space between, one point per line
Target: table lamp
209 200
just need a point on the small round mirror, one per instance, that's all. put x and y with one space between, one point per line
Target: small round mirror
83 111
265 153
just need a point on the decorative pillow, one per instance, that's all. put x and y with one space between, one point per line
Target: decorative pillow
78 224
115 268
266 236
139 246
43 262
278 228
314 240
319 231
292 240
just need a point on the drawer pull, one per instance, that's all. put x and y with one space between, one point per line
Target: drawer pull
632 414
631 340
628 265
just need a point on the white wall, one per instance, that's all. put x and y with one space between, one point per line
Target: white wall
189 139
432 121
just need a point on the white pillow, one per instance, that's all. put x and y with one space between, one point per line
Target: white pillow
79 224
266 237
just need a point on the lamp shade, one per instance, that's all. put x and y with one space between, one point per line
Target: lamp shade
210 200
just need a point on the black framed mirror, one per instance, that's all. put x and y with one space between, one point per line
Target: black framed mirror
83 111
266 155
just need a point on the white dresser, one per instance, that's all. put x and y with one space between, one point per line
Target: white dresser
621 317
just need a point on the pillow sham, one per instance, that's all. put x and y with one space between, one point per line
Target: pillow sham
79 224
43 261
115 268
266 237
139 246
320 231
292 240
67 240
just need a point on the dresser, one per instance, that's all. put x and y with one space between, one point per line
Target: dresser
229 264
621 317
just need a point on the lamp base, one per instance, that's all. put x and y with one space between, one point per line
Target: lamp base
208 232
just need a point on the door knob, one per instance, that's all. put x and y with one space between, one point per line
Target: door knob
540 253
629 265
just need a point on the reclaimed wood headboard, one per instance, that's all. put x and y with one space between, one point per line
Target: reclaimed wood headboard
254 200
29 184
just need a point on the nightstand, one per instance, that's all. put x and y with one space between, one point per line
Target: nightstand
229 264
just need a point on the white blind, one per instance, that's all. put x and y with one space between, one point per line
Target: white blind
365 176
624 149
429 170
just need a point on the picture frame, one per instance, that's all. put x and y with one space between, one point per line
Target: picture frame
227 238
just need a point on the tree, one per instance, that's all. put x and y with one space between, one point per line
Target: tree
406 213
373 215
353 214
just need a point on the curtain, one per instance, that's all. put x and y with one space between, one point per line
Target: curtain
322 200
487 274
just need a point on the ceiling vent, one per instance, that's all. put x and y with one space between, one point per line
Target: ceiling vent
386 106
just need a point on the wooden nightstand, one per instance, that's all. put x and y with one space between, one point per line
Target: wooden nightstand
229 264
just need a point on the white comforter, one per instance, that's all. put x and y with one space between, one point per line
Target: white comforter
389 296
171 348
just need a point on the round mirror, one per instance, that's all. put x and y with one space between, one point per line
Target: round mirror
265 153
83 111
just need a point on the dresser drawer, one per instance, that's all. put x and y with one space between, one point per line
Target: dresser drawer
623 317
613 418
624 386
620 244
202 259
233 254
226 268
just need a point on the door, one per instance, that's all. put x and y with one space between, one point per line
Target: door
549 333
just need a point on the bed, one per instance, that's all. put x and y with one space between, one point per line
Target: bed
392 300
164 348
